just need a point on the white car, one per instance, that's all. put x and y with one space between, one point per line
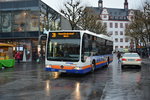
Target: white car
131 59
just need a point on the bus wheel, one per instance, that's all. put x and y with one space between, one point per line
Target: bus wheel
122 66
93 67
107 62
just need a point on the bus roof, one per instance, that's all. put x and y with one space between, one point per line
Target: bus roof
88 32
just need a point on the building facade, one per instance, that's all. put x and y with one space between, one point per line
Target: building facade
23 21
116 20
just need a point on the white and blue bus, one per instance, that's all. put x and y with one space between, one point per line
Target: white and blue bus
77 51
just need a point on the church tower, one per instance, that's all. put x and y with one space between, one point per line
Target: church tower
100 3
126 5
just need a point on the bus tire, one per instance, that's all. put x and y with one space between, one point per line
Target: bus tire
93 66
107 62
122 66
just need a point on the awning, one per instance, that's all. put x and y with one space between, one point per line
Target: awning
6 45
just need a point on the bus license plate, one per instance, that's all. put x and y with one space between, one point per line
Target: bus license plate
62 70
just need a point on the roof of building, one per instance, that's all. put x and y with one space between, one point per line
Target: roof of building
18 4
117 12
114 13
95 10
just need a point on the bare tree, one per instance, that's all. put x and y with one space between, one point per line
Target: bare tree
135 29
90 21
85 18
72 12
139 29
147 18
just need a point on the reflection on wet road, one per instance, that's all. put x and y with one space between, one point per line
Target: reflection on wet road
29 81
124 85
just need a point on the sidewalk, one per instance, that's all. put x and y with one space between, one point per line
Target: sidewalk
146 60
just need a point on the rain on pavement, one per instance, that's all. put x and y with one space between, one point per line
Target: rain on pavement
29 81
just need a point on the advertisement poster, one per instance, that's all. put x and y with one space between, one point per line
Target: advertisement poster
6 22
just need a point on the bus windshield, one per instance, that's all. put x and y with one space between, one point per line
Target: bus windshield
63 49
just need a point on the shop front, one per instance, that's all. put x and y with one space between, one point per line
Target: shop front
6 55
26 47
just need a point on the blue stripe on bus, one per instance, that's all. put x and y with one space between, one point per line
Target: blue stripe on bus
82 71
101 65
70 71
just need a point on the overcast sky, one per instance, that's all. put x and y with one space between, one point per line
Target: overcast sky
133 4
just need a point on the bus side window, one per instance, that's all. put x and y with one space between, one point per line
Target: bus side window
85 47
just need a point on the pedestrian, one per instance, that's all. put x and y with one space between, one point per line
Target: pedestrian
18 56
119 56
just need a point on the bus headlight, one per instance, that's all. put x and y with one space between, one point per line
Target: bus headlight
48 66
78 68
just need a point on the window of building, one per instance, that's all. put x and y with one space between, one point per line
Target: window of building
126 25
132 17
126 47
111 33
121 25
116 47
121 32
6 22
121 46
19 21
0 23
110 17
116 25
116 40
116 32
111 25
121 40
27 20
126 40
120 17
105 24
105 16
125 17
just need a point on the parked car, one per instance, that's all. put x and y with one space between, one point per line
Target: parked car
131 59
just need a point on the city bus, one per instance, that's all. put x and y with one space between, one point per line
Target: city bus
77 51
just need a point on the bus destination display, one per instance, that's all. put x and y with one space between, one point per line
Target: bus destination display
63 35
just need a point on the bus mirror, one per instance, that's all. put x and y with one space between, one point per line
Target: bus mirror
92 53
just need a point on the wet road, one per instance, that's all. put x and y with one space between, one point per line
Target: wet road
29 81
